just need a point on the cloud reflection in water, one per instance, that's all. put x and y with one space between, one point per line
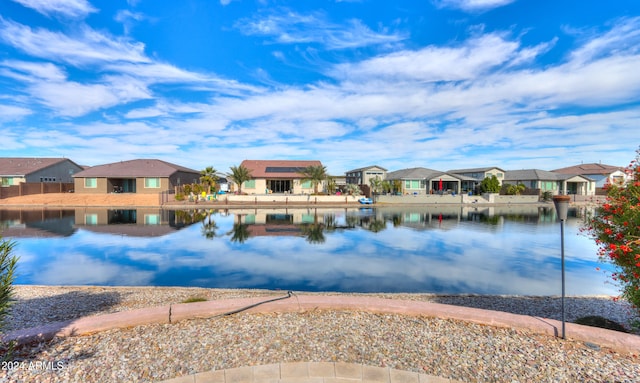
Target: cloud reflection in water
463 257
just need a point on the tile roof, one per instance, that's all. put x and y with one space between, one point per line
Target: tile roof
277 168
413 173
21 166
474 170
533 174
365 168
586 169
135 168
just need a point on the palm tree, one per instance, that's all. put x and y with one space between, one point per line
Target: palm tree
314 232
208 177
353 189
376 186
314 173
239 174
209 227
397 186
331 185
240 232
515 189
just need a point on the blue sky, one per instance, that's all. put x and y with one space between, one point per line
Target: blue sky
436 83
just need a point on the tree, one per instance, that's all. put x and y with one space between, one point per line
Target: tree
397 186
353 189
490 185
615 227
332 185
239 175
376 185
386 186
8 264
515 189
315 174
209 227
209 178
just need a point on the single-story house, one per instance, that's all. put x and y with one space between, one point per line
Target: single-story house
363 176
134 176
602 174
478 174
428 181
556 183
278 176
16 170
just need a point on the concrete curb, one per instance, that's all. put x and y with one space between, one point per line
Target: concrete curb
310 372
620 342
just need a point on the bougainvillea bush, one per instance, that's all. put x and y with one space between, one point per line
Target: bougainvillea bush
615 226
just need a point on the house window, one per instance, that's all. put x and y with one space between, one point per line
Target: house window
306 185
90 183
152 219
412 184
6 181
152 183
91 219
250 184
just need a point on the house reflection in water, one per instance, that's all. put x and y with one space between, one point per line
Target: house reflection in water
276 222
142 222
37 223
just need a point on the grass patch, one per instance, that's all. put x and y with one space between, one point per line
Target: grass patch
194 299
598 321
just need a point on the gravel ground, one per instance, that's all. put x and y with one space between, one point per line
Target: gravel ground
452 349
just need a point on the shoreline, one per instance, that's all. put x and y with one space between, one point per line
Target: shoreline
66 302
73 200
440 346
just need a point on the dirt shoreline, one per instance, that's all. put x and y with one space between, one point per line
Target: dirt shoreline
57 200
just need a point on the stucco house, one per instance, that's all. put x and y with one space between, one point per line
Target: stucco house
428 181
478 174
602 174
278 176
134 176
553 182
16 170
363 176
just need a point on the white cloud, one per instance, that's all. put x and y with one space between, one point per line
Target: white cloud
32 71
473 58
472 5
288 27
128 19
68 8
10 113
624 36
77 99
88 47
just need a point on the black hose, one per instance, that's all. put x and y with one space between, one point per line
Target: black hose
289 294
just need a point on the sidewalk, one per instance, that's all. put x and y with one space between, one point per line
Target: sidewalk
310 372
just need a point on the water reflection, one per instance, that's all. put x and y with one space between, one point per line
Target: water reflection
448 249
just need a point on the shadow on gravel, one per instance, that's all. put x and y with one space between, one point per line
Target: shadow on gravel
26 313
548 307
49 315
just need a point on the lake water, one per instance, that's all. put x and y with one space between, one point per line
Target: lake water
447 250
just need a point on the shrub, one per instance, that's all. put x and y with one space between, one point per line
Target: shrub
615 227
490 184
7 274
194 299
8 264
